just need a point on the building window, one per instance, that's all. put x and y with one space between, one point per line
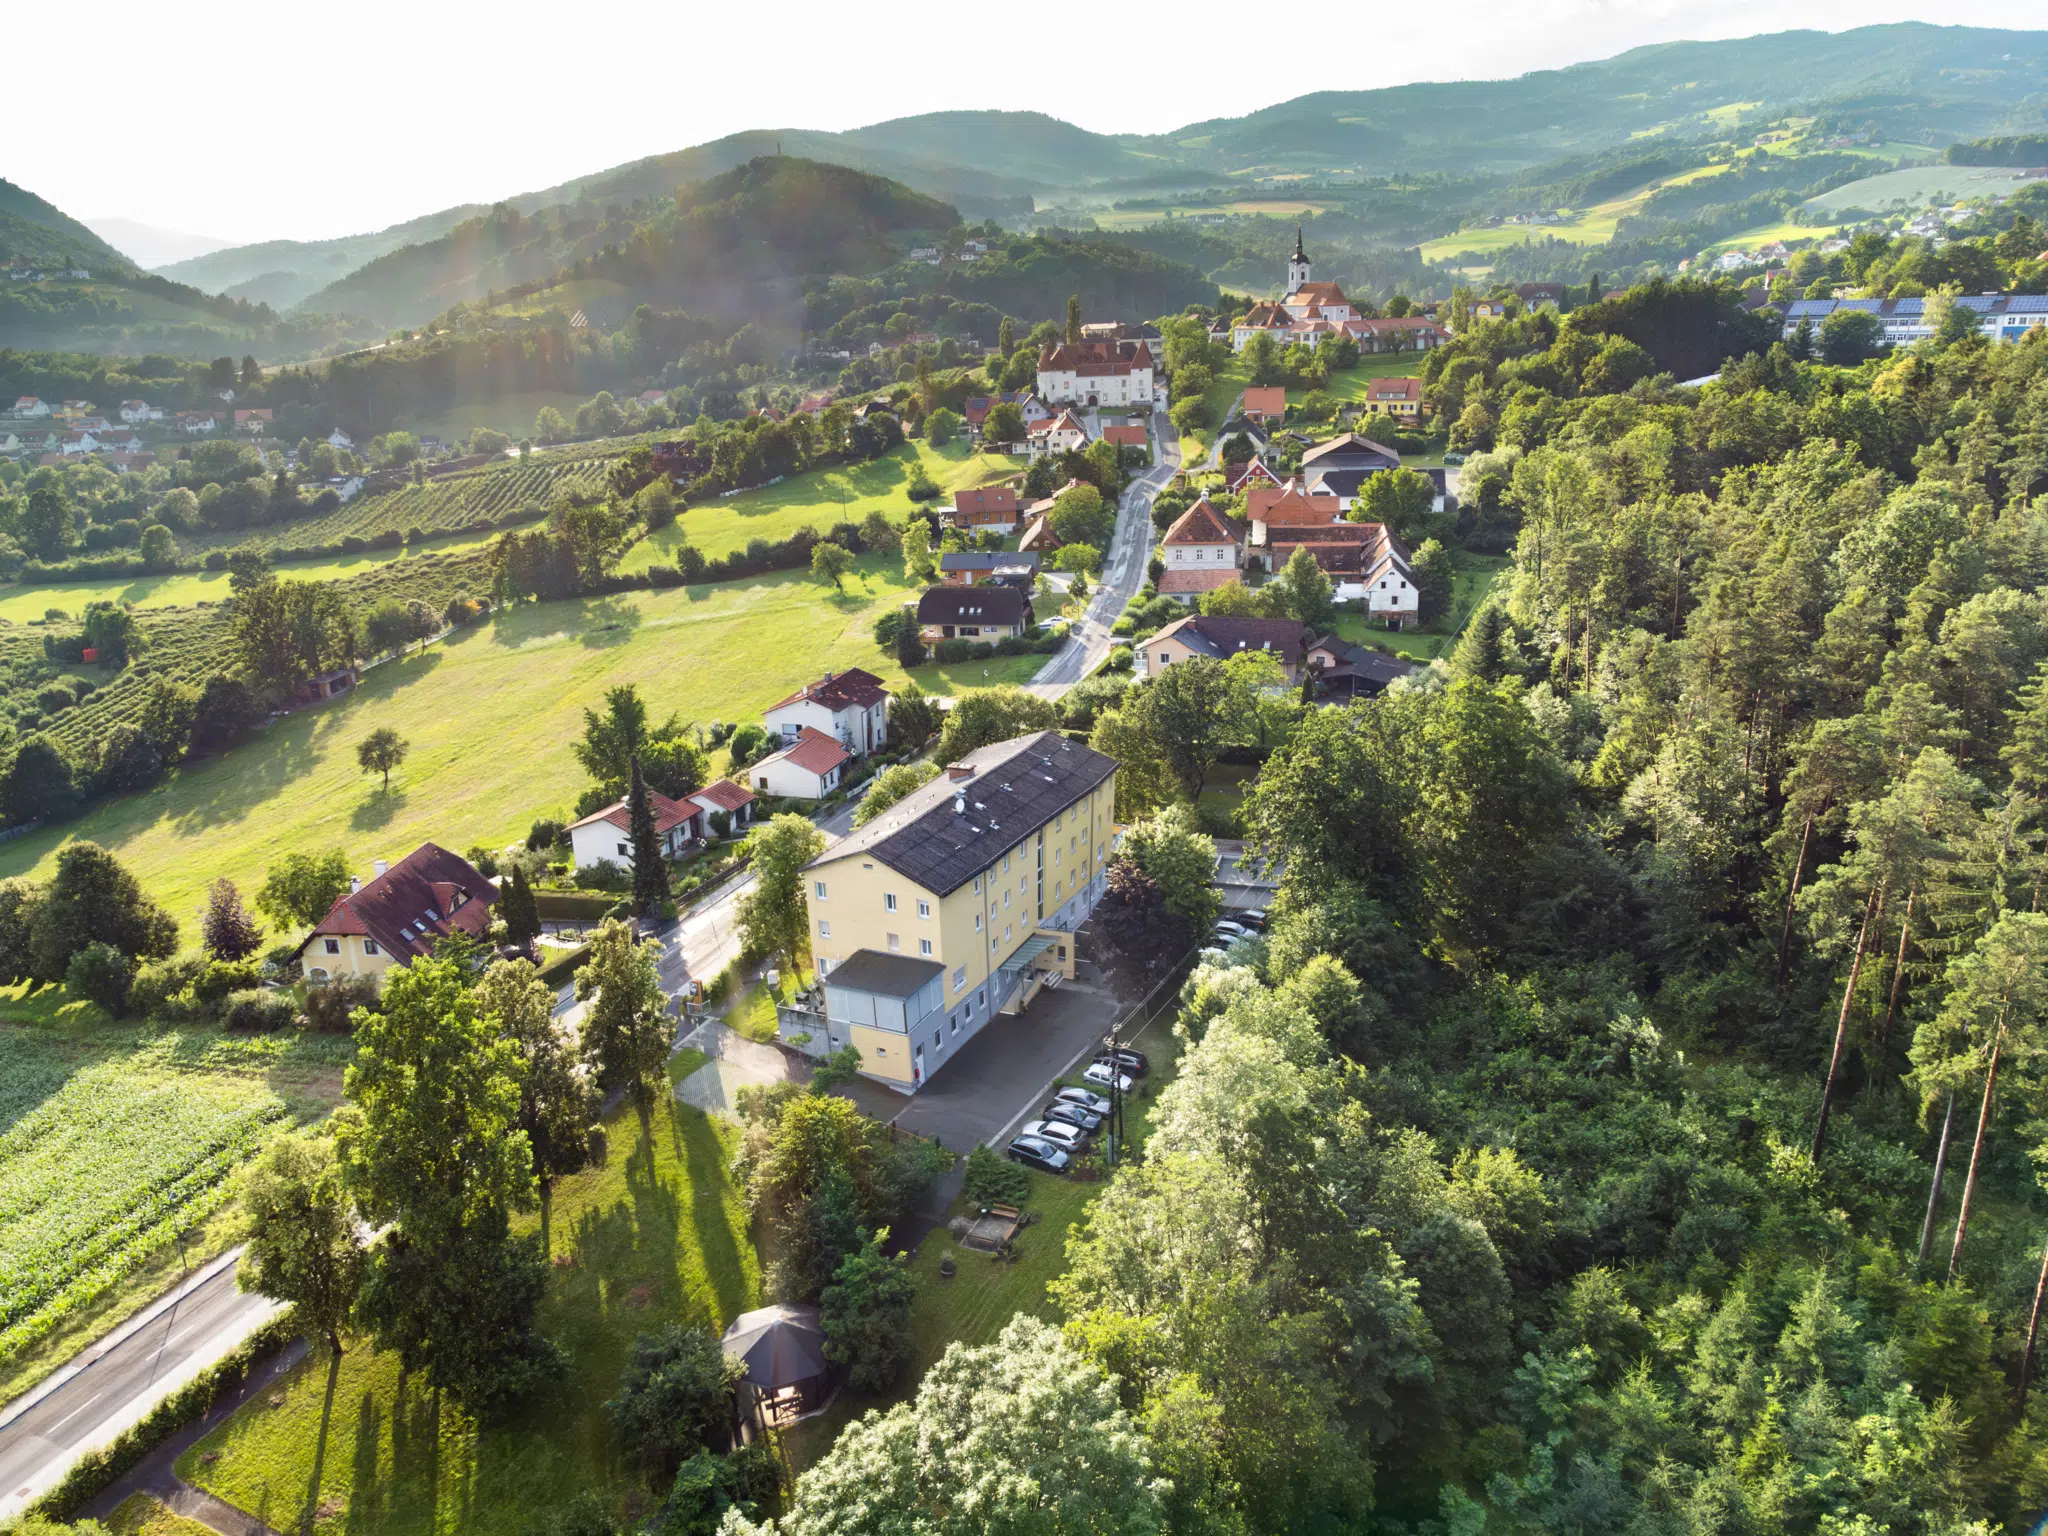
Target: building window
889 902
977 922
981 997
959 977
1006 901
624 849
333 946
894 944
938 1040
924 946
818 889
824 929
1006 863
977 882
370 946
924 909
1006 933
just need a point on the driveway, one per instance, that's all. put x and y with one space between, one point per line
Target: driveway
736 1062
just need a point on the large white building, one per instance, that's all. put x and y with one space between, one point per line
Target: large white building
2000 316
1093 373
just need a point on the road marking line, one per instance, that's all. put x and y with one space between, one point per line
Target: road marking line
74 1413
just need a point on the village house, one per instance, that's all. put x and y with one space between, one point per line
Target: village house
1253 471
135 412
1343 671
956 906
1124 330
724 798
2000 316
606 836
29 408
1123 435
1265 405
256 418
1288 507
985 612
1055 434
1397 333
1342 465
199 423
988 506
341 440
808 768
1365 563
1399 398
1201 552
399 915
973 568
851 707
1217 638
1097 373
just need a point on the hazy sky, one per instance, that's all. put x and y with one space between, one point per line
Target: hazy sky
306 121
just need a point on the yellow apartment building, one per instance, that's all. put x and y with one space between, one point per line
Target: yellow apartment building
956 905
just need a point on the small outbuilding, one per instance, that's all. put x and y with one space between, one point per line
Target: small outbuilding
783 1350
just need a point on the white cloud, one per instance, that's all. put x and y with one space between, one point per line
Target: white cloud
302 122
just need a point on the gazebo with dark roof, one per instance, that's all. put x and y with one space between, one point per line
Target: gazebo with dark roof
783 1350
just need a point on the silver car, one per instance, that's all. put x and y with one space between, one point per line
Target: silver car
1093 1102
1068 1138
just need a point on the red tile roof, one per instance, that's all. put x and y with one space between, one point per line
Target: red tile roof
851 689
1125 436
425 895
1395 389
667 814
989 504
1200 524
1175 582
1096 359
815 752
1252 469
1266 401
725 795
1287 506
1318 294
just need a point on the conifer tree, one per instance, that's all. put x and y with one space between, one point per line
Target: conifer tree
650 872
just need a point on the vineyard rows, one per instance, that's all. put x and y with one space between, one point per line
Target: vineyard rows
100 1168
191 644
474 500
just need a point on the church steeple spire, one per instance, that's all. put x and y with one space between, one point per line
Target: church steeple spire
1297 267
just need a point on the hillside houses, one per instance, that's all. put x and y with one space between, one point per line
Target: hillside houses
1060 433
987 508
1307 311
1098 373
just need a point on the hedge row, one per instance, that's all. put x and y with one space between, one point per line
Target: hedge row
96 1471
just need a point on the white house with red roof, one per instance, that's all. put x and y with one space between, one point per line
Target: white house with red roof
1055 434
29 408
135 412
404 910
986 506
809 768
1200 552
606 836
722 796
851 707
1093 373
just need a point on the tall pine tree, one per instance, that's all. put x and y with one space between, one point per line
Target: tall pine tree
516 904
650 872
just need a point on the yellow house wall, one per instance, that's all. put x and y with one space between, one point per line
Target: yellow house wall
883 1052
352 961
854 906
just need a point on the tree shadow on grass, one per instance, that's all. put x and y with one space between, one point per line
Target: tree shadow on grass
608 622
402 672
366 1494
704 1157
378 809
313 1483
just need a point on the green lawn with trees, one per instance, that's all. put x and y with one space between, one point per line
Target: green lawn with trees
490 714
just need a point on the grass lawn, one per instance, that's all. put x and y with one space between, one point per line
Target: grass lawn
490 714
511 414
1224 790
1222 392
684 1062
754 1014
1473 579
658 1235
1353 383
141 1515
115 1142
21 603
1919 187
821 498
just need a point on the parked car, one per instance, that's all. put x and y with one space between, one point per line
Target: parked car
1042 1155
1102 1077
1225 929
1130 1060
1252 917
1068 1138
1072 1114
1094 1103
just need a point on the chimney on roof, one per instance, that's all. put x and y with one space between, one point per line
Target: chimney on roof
959 772
355 883
380 866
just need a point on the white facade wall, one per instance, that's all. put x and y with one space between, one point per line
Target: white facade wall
859 730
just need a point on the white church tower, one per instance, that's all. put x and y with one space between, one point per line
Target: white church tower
1297 267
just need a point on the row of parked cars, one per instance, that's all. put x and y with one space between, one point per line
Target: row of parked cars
1246 923
1066 1126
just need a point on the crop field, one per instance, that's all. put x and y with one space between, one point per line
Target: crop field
191 644
490 713
820 499
473 500
114 1141
1920 187
23 604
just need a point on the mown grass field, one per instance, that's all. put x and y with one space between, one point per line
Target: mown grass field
656 1236
114 1141
1352 384
1919 187
490 714
820 499
141 1515
21 603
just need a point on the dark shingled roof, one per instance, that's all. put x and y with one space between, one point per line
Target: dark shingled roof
974 605
1017 787
869 970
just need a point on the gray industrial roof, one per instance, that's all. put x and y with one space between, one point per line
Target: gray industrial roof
869 970
1016 787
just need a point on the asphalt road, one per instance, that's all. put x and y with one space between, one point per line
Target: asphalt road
114 1382
1123 570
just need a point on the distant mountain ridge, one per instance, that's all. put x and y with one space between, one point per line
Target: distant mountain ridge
34 230
1909 81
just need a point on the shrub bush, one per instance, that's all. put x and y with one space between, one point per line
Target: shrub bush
544 834
328 1004
218 978
993 1179
162 988
257 1010
101 974
604 875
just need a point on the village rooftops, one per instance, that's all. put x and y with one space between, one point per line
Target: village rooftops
869 970
984 605
1126 435
667 814
851 689
977 560
407 909
949 831
988 502
1200 524
1095 359
724 794
1222 638
1351 451
813 751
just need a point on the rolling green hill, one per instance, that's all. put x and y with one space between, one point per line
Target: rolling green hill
33 230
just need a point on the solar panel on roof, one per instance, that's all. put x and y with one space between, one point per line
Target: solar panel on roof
2028 304
1981 303
1906 306
1861 306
